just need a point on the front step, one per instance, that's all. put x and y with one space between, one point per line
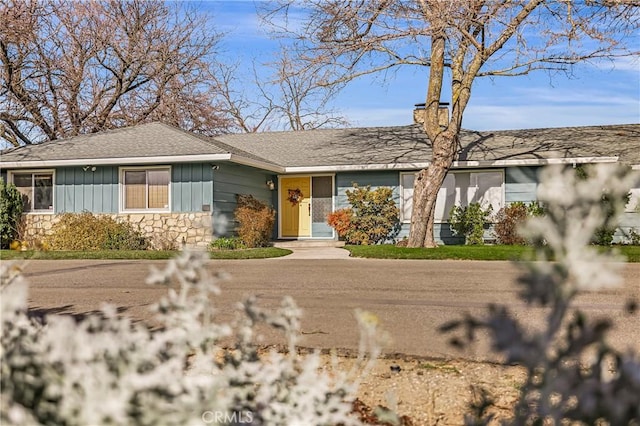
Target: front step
293 244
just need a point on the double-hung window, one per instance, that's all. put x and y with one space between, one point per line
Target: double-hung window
36 189
145 189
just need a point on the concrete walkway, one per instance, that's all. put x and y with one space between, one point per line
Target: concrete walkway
313 249
315 253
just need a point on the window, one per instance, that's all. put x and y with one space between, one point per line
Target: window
36 189
458 189
146 189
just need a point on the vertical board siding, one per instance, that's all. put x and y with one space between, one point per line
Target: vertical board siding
76 190
520 184
191 187
231 180
345 181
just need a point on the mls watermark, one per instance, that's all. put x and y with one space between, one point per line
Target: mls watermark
226 417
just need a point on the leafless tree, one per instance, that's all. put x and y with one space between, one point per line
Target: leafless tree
279 95
470 38
70 67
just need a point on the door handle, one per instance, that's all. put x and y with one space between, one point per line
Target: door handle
309 209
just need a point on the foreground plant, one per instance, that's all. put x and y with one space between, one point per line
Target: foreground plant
572 373
107 369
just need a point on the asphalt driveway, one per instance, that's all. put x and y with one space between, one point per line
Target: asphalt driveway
410 297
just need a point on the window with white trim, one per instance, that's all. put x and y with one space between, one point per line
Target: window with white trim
458 189
36 189
145 189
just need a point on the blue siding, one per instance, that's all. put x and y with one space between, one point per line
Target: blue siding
191 187
77 190
231 180
344 181
521 184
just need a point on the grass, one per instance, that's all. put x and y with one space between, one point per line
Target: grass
258 253
498 252
489 252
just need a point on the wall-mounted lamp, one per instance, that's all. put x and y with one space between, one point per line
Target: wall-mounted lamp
271 185
215 166
86 168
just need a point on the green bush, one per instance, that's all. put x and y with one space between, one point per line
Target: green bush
84 231
634 237
510 218
469 222
224 243
372 218
11 206
255 221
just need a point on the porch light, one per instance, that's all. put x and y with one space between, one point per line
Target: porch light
271 185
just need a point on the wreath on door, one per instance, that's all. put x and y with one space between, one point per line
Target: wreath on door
295 195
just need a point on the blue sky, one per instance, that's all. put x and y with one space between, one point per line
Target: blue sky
604 94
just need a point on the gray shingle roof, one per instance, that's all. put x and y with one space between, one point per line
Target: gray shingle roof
403 145
409 144
145 140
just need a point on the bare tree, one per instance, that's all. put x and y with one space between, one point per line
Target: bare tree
71 67
471 38
279 95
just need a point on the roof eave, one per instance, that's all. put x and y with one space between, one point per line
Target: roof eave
455 165
238 159
164 159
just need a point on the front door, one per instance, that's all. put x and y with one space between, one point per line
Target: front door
295 206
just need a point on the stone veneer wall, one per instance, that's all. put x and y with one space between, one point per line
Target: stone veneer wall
164 230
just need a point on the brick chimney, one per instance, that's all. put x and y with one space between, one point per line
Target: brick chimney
443 113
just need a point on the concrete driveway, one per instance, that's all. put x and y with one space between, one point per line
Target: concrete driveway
412 298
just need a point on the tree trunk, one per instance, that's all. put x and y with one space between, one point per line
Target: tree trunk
425 191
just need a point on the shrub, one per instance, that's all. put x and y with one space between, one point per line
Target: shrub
372 218
340 220
85 231
224 243
11 206
469 222
573 375
107 369
510 218
634 237
255 221
609 198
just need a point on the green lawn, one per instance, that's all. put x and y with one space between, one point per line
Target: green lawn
497 252
258 253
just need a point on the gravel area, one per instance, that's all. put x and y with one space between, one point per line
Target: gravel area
436 392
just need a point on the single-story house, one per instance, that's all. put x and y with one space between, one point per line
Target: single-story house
180 187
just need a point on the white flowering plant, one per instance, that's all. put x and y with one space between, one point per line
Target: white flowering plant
106 369
573 374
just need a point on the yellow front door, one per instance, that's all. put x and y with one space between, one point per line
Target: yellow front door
295 206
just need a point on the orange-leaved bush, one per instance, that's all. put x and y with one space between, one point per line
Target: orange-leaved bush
510 218
340 220
255 221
